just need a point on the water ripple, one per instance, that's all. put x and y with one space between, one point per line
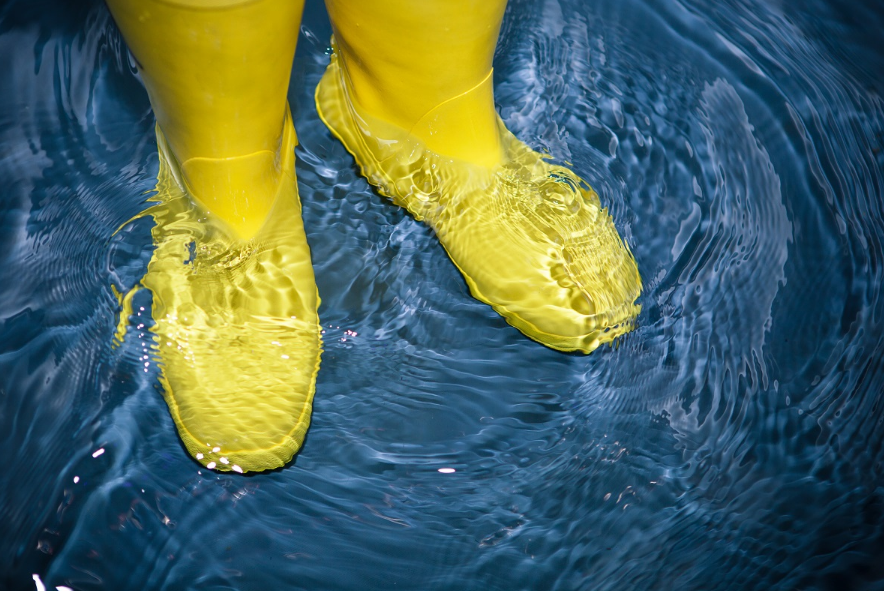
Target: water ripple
734 440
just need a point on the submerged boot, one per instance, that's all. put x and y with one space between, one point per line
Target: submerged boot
409 93
234 298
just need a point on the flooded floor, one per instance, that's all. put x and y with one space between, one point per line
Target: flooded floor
734 440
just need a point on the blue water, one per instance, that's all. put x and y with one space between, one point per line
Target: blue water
735 440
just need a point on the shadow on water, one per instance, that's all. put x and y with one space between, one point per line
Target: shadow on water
732 441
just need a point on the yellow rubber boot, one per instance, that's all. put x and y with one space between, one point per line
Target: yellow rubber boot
409 93
234 297
217 73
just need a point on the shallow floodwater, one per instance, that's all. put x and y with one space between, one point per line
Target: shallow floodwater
732 441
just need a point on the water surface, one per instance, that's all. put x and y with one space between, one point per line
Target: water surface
732 441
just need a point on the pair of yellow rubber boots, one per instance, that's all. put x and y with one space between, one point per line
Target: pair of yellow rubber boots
409 93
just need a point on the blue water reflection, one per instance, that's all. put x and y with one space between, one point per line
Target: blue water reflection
733 441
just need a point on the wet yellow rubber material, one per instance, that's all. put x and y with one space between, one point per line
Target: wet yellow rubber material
234 297
236 327
530 238
217 73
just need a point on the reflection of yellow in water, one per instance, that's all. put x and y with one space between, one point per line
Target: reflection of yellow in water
236 326
530 238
